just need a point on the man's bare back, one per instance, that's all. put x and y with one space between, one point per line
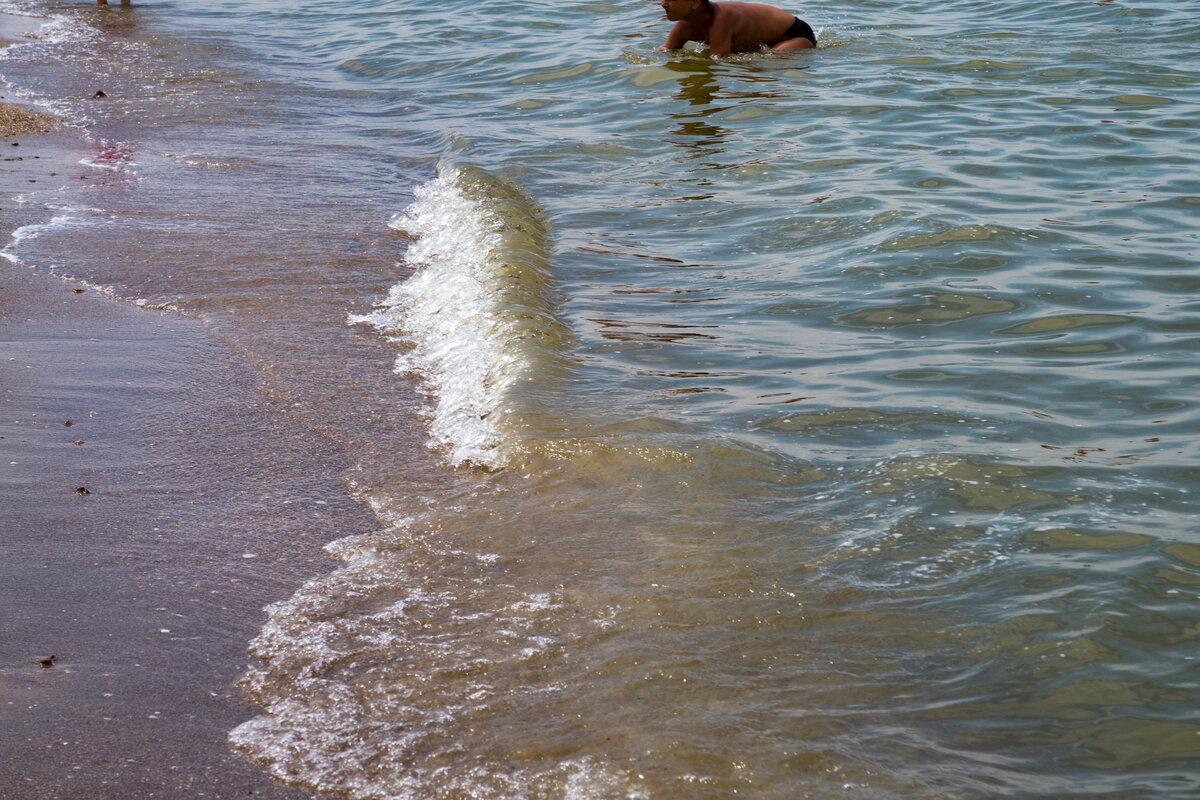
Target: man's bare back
732 27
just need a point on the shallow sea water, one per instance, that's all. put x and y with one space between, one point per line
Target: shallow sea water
768 427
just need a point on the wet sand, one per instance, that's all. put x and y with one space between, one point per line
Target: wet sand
152 503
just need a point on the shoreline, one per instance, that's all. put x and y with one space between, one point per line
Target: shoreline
132 594
17 119
145 526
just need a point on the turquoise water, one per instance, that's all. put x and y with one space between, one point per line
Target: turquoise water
777 427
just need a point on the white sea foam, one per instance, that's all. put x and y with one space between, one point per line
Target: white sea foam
474 311
381 680
33 231
53 28
69 218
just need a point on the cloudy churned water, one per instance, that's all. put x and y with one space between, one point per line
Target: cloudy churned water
820 426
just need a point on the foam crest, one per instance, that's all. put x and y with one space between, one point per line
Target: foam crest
32 231
406 674
477 311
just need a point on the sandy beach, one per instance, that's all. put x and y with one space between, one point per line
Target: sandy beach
18 121
144 526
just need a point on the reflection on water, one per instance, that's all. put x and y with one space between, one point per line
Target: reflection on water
697 84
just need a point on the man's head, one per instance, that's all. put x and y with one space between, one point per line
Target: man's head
680 9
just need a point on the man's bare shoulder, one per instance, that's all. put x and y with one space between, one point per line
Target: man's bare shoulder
750 13
750 25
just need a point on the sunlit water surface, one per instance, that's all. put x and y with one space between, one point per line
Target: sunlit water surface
767 427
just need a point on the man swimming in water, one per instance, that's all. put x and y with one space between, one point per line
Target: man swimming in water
731 27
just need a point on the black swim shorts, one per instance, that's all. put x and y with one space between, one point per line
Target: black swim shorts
800 30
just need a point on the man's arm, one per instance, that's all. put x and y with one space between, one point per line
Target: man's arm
720 38
678 37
